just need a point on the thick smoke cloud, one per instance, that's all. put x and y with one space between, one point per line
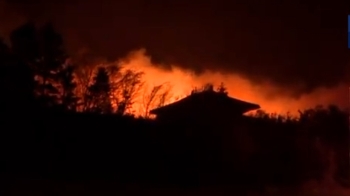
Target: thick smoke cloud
300 45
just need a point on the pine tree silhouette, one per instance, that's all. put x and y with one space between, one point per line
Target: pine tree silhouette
99 92
41 51
69 98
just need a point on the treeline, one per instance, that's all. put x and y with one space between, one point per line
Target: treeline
35 67
109 148
62 119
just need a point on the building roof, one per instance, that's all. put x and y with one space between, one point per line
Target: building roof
208 99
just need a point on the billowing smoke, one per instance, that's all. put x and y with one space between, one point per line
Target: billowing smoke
288 55
271 97
303 52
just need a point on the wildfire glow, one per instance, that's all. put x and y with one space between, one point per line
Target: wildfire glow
182 82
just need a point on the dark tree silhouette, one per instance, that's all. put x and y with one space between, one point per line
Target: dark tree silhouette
156 98
17 79
100 92
68 86
265 149
50 63
25 45
42 51
126 89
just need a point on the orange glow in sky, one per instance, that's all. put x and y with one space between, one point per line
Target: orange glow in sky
182 82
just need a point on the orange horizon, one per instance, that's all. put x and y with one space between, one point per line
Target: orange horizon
238 87
270 97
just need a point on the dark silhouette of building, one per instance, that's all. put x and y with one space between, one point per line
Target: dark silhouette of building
203 106
216 123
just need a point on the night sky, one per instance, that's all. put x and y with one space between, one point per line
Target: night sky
349 31
298 41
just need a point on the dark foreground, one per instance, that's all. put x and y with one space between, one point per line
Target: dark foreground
42 187
84 154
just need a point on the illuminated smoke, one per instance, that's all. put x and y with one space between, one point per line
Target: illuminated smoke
270 97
